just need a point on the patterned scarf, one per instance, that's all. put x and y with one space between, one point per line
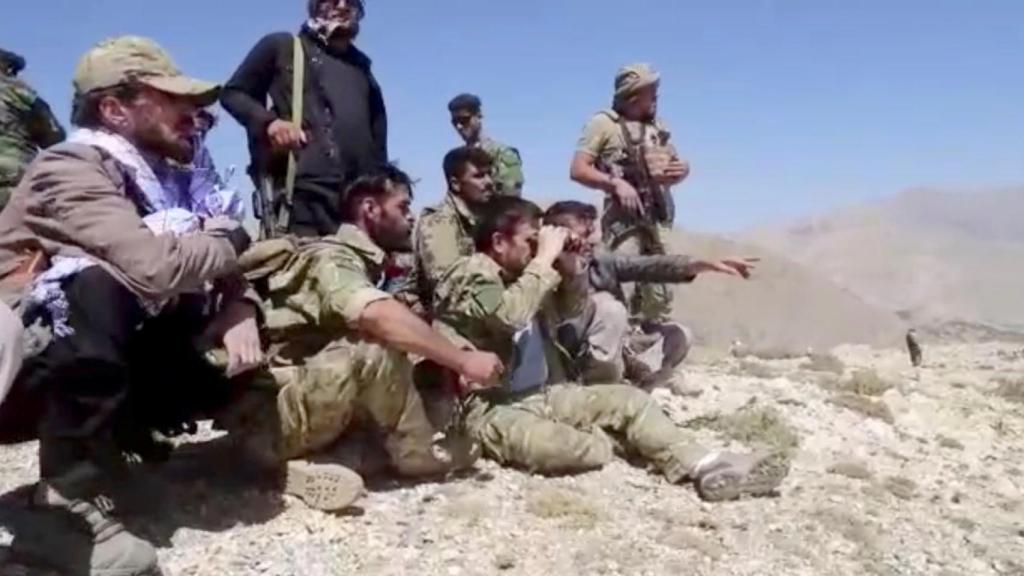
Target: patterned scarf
323 26
167 210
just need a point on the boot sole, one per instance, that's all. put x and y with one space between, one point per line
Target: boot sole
761 480
325 487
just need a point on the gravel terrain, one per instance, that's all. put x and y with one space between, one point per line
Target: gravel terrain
895 471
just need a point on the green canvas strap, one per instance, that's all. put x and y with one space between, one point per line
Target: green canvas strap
298 102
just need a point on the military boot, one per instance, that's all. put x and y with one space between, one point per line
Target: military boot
722 476
322 486
72 529
252 423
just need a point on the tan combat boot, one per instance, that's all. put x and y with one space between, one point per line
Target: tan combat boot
723 476
73 530
322 485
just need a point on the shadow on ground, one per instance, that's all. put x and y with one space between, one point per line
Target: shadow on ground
153 503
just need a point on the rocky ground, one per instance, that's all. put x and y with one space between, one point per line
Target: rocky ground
895 471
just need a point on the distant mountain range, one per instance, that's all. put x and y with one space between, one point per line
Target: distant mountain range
786 306
933 257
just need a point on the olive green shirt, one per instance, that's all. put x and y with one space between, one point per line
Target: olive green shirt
327 285
477 307
602 139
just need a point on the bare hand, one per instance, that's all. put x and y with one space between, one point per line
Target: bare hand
742 267
241 337
480 371
551 243
676 172
627 197
284 134
573 261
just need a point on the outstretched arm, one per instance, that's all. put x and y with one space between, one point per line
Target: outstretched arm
392 323
672 268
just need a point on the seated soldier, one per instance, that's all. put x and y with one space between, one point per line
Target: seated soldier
601 338
339 349
444 232
117 266
507 298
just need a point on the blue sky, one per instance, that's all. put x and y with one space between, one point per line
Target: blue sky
784 107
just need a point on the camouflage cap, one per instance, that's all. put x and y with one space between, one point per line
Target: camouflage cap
126 59
634 77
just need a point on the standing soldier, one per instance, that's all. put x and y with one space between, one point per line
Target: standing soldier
26 124
507 165
625 152
326 126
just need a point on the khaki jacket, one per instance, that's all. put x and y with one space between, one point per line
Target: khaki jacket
76 200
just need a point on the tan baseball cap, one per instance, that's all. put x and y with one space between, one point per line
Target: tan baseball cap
634 77
126 59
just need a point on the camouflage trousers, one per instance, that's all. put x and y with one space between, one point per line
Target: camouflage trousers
630 236
569 428
319 399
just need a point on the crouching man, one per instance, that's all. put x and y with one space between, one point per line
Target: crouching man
508 298
128 277
339 347
605 346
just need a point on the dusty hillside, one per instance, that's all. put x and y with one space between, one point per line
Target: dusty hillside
895 472
930 255
785 305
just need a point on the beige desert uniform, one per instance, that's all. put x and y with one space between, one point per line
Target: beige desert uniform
550 427
327 375
619 145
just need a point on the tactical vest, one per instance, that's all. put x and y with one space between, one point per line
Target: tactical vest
647 154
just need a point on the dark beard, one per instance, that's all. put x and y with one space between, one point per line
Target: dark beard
391 241
151 140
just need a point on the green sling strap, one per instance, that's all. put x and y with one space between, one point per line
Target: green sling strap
277 215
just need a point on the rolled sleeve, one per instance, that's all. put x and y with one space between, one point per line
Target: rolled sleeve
354 304
596 135
344 291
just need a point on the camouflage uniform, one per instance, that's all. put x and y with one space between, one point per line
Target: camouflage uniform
327 376
555 427
26 125
507 170
444 233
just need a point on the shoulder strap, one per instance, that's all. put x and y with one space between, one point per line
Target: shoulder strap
298 102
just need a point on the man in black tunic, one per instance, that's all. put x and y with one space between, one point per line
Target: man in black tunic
344 126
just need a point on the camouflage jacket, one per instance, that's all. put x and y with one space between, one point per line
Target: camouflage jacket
26 126
475 306
317 288
508 168
444 233
608 271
